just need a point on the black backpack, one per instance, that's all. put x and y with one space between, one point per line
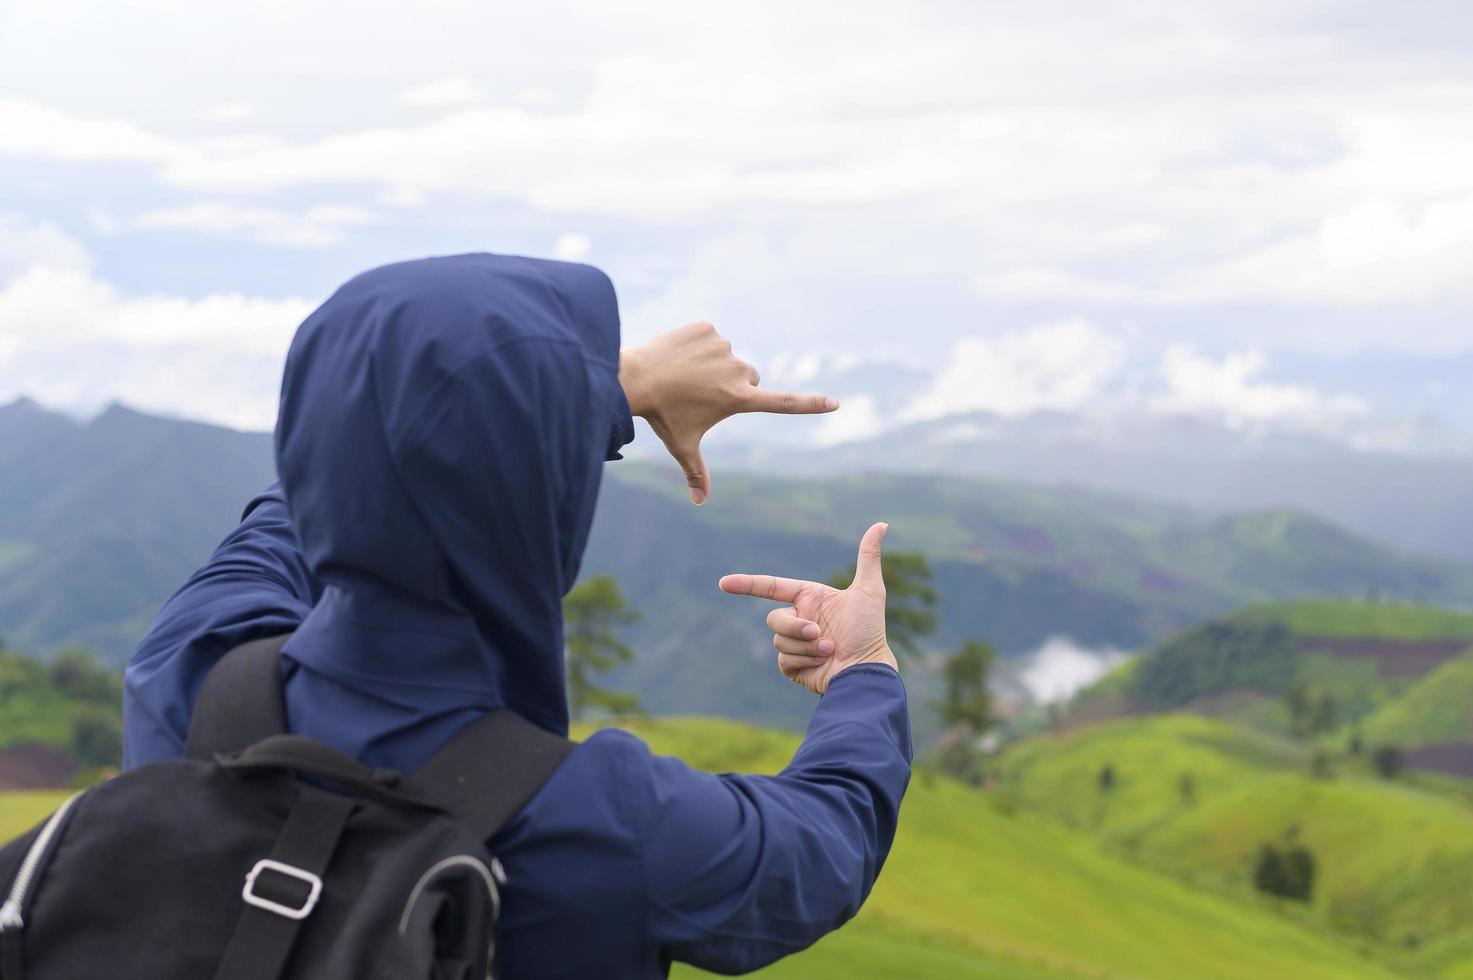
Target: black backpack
262 855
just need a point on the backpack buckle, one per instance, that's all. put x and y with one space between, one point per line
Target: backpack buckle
314 891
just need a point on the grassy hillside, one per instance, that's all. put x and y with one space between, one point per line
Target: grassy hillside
1362 656
1379 620
976 890
1437 709
1198 797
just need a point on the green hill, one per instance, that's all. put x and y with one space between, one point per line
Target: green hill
1438 709
975 890
1359 656
1198 797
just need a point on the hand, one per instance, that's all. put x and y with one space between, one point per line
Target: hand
683 382
825 630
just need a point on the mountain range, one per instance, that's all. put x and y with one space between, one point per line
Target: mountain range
101 520
1412 494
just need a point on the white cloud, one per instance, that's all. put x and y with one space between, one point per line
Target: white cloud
1228 388
1138 161
324 224
1062 365
1032 283
102 222
1375 252
402 196
24 244
232 112
445 92
74 341
572 247
857 418
1061 667
28 129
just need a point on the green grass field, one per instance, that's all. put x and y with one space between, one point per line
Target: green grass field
976 890
1393 858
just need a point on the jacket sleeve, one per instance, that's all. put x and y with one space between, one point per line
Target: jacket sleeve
742 870
256 584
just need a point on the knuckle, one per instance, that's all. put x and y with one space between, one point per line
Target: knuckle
789 403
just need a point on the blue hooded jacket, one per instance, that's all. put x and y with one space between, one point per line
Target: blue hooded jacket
442 433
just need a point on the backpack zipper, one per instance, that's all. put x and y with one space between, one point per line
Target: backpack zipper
10 912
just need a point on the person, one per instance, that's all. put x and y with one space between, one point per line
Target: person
442 430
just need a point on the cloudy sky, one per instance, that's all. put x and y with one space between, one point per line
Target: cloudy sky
1257 209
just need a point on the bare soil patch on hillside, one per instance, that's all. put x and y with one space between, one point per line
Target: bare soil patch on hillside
1452 758
1394 658
35 767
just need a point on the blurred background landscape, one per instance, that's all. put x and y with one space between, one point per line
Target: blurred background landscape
1153 328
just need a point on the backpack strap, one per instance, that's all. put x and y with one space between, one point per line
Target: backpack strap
485 775
282 891
240 702
491 770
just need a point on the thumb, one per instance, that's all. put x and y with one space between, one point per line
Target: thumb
697 477
867 570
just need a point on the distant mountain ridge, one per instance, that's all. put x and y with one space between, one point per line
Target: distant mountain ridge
1420 500
100 521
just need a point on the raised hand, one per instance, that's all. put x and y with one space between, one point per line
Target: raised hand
824 630
685 381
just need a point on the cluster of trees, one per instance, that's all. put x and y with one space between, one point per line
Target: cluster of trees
1213 657
97 728
72 703
1285 870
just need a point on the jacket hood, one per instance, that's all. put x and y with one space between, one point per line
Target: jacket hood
441 436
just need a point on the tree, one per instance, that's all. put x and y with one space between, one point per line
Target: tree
1322 717
592 611
1286 872
968 702
1389 760
910 600
77 673
1301 707
97 738
966 708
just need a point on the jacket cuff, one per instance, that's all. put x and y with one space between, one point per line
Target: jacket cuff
621 431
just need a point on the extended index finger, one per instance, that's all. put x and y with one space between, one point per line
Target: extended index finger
762 586
787 403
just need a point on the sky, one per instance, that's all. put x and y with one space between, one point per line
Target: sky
1261 211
